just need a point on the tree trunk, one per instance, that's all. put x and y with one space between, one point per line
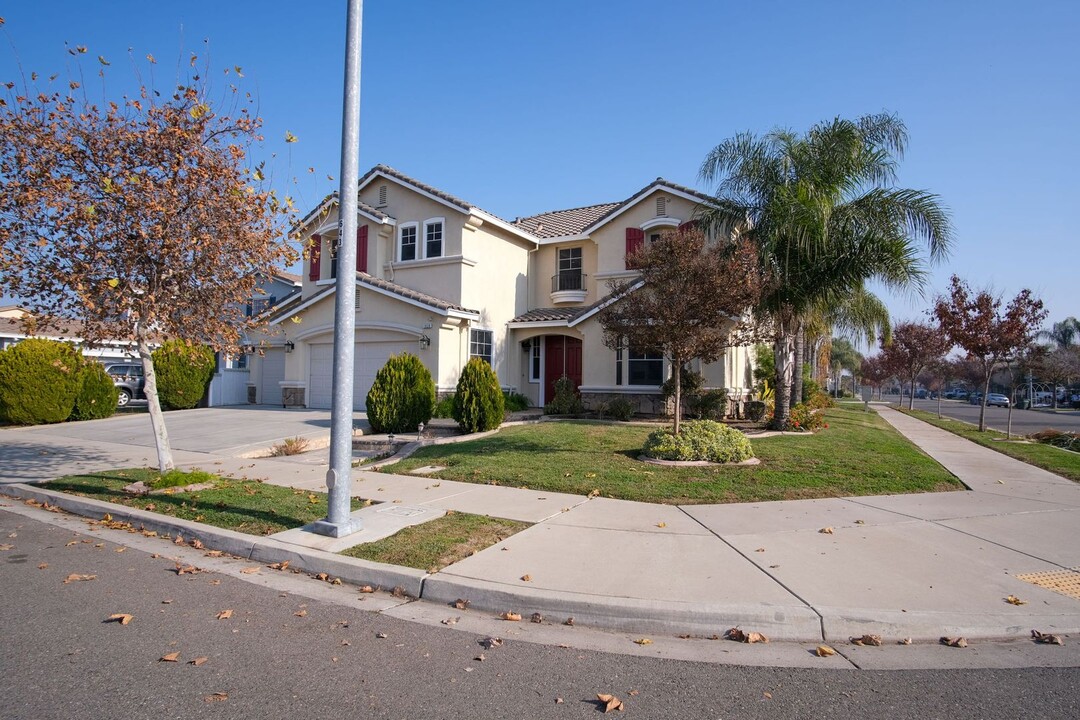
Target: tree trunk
982 405
797 379
783 349
157 419
1008 426
676 375
939 394
911 396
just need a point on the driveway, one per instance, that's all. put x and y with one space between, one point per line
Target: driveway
229 431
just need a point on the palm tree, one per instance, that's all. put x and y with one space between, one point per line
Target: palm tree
1062 334
825 218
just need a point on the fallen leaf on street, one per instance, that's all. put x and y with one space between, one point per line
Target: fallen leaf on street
594 493
76 577
249 570
826 530
1013 600
491 642
366 589
216 697
6 546
224 615
197 544
739 635
381 636
73 542
187 569
643 641
300 613
511 616
824 651
179 540
198 661
537 618
661 524
480 657
905 641
284 565
42 566
569 621
526 578
461 604
860 522
1046 638
610 702
171 657
873 640
122 618
449 621
957 642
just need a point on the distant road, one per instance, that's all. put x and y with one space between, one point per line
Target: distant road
1024 422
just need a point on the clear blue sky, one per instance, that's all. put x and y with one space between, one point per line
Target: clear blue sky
522 107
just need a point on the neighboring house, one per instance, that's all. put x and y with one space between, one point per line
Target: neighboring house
13 330
443 279
231 384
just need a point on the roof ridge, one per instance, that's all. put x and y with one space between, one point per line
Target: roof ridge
573 209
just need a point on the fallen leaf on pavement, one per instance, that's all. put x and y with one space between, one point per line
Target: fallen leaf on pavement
824 651
1013 600
321 576
643 641
198 661
739 635
171 657
449 621
826 530
526 578
179 540
76 577
224 615
511 616
1046 638
216 697
958 642
279 565
187 569
42 566
905 641
366 589
381 636
6 546
300 613
873 640
119 549
122 618
491 642
461 604
860 522
661 524
480 657
249 570
569 621
399 592
73 542
197 544
610 702
213 553
537 618
760 550
594 493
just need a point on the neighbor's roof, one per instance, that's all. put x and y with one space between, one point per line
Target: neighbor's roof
560 223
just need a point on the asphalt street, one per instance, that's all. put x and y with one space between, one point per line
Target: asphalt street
1024 422
297 647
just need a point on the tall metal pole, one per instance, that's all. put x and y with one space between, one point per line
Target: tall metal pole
339 477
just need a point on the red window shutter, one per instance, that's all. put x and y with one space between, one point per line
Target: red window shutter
316 252
361 249
635 240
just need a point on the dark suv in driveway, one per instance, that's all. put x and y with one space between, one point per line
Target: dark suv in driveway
128 379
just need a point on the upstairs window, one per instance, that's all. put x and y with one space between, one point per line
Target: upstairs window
570 277
433 238
481 343
407 243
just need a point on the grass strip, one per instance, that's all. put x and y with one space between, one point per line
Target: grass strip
1056 460
437 543
247 506
858 454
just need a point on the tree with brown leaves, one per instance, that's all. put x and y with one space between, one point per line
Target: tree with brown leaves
912 348
690 300
975 322
138 219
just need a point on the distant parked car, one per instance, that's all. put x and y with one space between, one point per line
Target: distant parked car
128 379
997 400
975 398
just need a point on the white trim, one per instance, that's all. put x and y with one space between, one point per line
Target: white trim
400 237
568 296
328 203
414 188
472 329
442 236
619 274
411 330
428 262
543 324
626 206
664 221
563 239
536 345
317 297
606 303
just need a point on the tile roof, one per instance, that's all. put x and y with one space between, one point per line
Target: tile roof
558 223
550 315
658 182
387 170
410 293
291 277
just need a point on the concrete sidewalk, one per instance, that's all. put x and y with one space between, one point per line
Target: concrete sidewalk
919 566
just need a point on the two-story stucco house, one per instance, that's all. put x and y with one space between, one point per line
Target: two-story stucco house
445 280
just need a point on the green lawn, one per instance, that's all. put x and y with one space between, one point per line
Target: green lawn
435 544
243 505
859 454
1056 460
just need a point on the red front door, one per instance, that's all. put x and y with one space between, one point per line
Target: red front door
562 356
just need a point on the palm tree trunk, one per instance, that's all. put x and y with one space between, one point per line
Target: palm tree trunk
797 379
783 350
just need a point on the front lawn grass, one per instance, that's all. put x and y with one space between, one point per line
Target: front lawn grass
246 506
858 454
437 543
1056 460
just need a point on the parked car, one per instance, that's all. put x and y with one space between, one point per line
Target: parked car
128 379
997 400
975 398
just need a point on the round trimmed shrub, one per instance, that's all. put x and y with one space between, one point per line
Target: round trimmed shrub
402 396
699 440
479 404
97 393
182 371
39 381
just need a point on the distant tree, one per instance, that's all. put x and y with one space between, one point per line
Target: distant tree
913 348
1058 365
844 356
975 322
873 372
691 300
138 219
1064 334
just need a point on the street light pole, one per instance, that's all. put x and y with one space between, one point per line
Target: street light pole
339 521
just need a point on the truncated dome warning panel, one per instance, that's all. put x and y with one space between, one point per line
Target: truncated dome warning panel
1066 582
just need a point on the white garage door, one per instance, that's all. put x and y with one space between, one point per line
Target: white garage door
369 359
273 372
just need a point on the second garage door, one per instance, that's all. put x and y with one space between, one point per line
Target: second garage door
369 359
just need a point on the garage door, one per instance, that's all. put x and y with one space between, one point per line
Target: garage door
273 372
368 360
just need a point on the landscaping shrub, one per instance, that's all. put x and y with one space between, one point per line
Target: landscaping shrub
444 408
402 396
621 408
182 370
755 410
806 419
566 400
515 402
97 393
39 381
1058 438
819 401
699 440
479 404
709 405
810 388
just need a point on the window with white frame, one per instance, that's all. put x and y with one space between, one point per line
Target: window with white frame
570 277
481 343
634 366
407 242
534 360
433 238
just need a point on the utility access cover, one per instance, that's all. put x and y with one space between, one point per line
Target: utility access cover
1065 582
403 511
